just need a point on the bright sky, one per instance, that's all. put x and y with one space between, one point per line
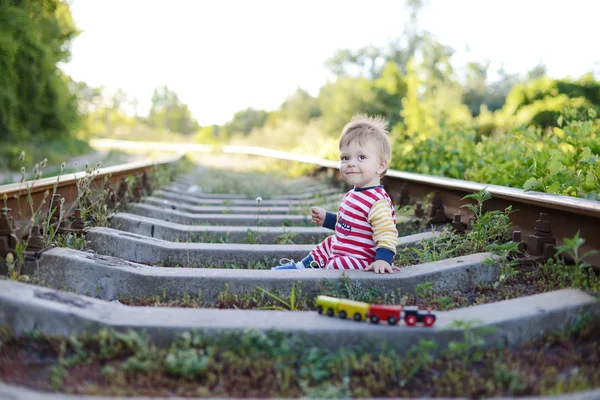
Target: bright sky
224 56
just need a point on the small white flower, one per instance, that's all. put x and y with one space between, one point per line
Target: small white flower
22 156
259 200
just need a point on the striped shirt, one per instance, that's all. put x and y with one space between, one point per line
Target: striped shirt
365 226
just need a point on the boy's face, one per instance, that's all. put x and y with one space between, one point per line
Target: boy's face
361 166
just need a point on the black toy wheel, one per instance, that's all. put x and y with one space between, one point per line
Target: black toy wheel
392 320
375 319
343 314
357 317
330 312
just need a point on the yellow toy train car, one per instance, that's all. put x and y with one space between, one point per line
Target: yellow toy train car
343 308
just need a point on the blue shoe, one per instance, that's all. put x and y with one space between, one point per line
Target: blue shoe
286 263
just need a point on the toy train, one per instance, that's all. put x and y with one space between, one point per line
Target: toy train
374 312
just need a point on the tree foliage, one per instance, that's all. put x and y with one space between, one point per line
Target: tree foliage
300 107
541 101
169 112
245 121
35 100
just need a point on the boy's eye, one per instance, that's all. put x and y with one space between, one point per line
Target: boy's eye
361 157
344 158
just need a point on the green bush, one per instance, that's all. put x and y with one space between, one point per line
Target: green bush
541 101
561 160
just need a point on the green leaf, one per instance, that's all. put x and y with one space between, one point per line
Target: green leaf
531 184
586 154
560 120
586 128
590 181
555 166
274 296
554 188
592 113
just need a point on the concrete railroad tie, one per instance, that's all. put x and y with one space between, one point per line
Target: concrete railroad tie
25 307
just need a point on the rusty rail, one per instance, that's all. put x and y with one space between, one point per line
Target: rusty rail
19 201
543 219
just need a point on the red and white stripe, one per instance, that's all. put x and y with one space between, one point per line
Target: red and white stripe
356 249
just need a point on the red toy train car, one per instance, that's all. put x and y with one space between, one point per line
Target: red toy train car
374 312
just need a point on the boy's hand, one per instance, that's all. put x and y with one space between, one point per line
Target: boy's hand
318 215
381 267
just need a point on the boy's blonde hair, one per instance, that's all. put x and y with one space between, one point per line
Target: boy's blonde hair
364 128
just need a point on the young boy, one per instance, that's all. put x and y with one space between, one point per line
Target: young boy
365 225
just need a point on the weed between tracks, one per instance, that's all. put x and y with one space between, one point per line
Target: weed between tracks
256 184
258 299
255 364
487 231
512 283
265 263
252 237
50 216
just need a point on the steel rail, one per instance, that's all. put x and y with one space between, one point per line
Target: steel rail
23 198
566 215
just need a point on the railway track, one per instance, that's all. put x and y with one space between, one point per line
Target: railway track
195 257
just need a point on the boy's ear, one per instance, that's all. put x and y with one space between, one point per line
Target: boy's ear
382 167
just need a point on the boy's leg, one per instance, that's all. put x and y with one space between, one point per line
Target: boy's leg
347 262
320 255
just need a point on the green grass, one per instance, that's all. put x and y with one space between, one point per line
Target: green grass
252 184
276 364
36 150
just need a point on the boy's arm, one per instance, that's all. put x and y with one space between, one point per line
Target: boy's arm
385 234
322 217
330 220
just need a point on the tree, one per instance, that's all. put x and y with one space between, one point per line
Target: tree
417 114
243 122
475 88
168 112
88 98
390 88
536 72
35 99
435 67
118 99
134 103
341 99
498 90
300 106
369 61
